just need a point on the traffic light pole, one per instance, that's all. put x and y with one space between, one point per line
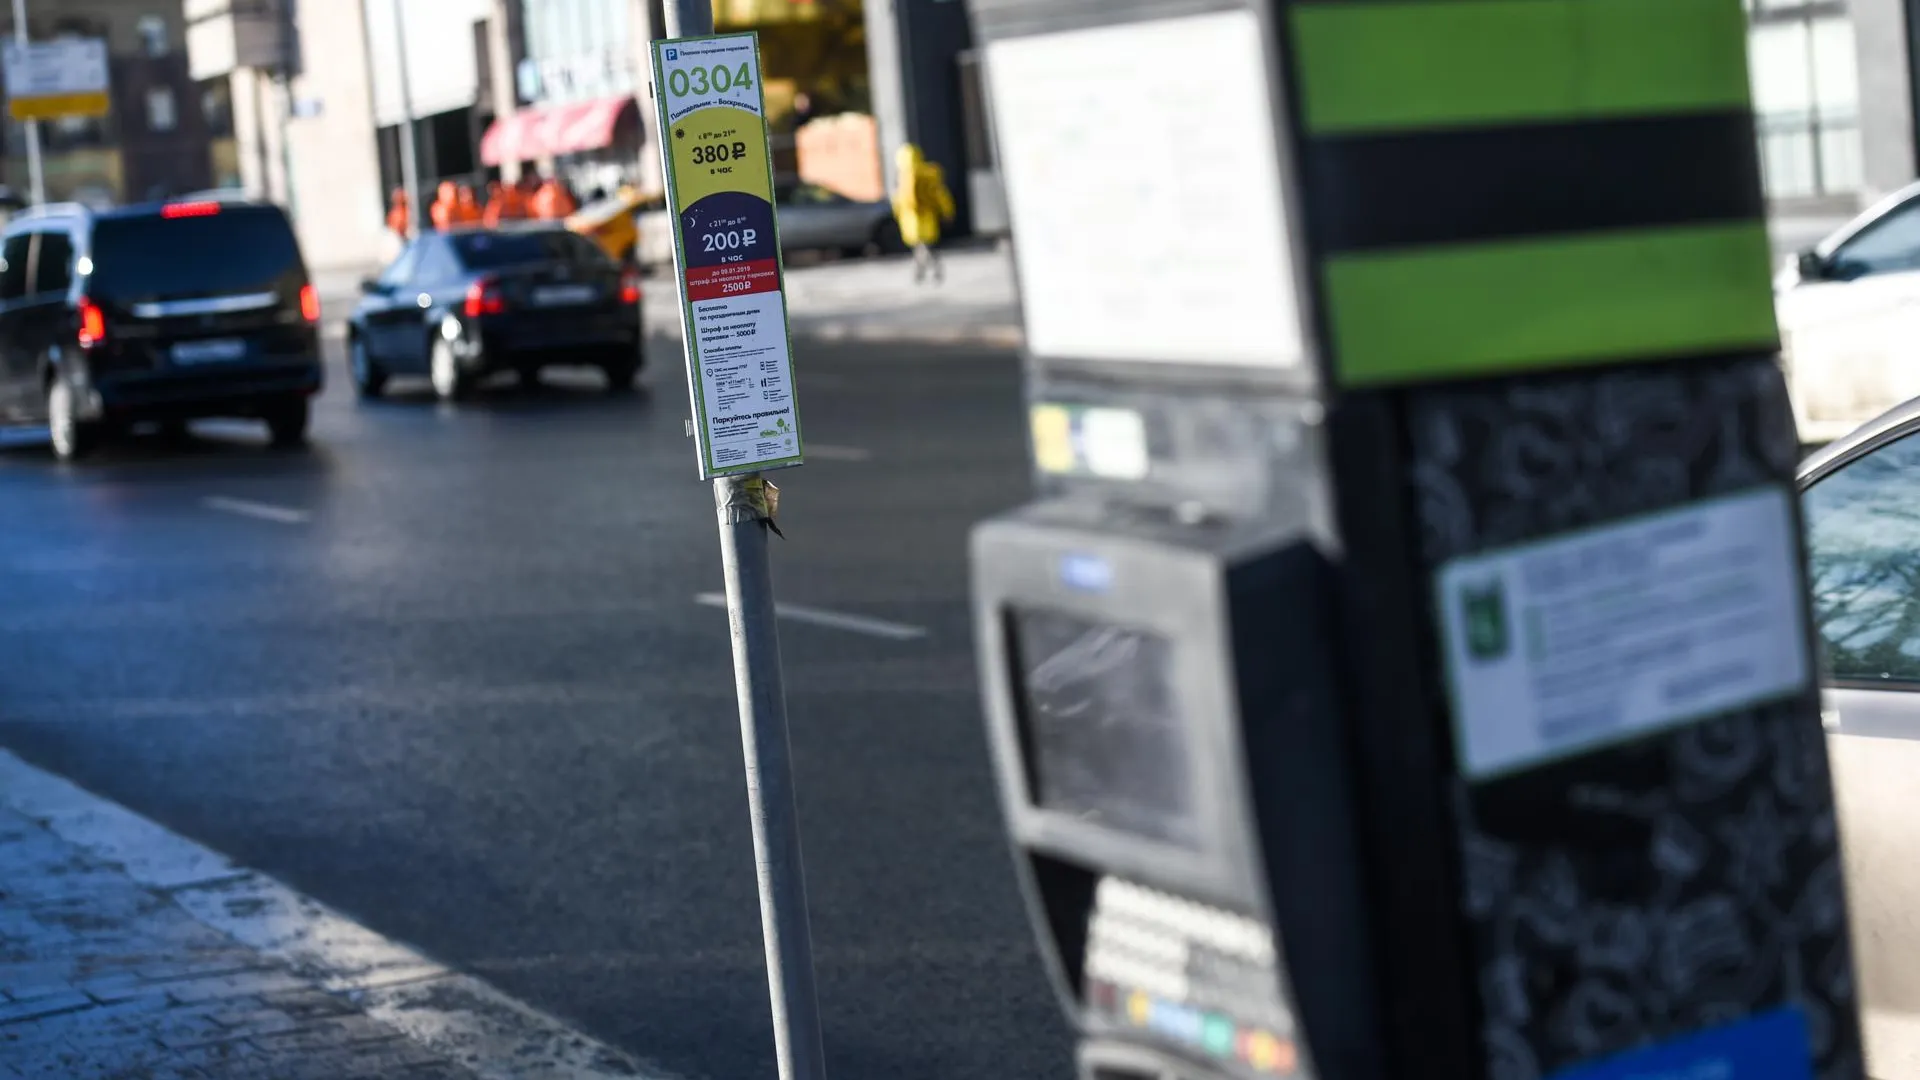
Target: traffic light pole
36 171
745 520
409 150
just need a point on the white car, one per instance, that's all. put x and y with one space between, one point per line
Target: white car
1861 499
1849 311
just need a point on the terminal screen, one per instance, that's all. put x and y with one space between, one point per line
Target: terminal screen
1105 743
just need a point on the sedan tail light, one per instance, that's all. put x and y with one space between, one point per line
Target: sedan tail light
93 324
310 303
630 286
485 298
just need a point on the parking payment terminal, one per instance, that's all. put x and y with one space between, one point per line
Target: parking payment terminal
1404 668
1135 674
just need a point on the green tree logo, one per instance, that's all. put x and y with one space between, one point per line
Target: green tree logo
1483 609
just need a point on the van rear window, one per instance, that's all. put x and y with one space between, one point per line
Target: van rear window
241 248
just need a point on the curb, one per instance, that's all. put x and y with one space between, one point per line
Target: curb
450 1014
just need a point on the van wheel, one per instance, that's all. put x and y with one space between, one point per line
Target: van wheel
621 374
73 438
287 423
369 378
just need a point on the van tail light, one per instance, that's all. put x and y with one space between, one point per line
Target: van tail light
93 324
310 303
198 208
630 286
485 298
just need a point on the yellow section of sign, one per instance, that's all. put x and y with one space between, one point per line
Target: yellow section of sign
719 148
58 105
1052 428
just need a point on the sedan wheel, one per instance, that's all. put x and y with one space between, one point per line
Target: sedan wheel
72 439
449 381
368 377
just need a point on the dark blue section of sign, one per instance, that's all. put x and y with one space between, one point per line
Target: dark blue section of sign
1768 1046
726 227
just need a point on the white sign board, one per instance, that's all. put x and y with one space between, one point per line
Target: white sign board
1564 645
65 77
727 251
1144 187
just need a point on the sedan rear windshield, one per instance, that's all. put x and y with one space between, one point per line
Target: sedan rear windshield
493 250
238 249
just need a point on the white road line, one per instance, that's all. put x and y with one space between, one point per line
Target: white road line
830 452
449 1013
837 620
285 515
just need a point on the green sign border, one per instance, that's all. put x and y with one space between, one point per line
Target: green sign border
690 343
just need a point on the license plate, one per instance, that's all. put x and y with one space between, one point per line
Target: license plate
556 295
210 351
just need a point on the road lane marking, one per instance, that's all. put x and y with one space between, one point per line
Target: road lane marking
285 515
837 620
830 452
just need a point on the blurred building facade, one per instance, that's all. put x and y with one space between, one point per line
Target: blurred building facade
313 94
158 137
303 97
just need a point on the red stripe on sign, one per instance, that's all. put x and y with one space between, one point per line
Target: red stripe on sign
733 279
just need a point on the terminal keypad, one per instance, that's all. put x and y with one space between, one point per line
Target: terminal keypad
1198 976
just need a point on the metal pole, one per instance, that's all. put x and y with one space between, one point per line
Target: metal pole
763 735
409 163
689 18
770 801
36 172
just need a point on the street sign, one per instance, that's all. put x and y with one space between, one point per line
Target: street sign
726 246
51 79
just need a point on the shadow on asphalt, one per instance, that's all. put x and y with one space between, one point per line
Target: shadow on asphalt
556 391
221 442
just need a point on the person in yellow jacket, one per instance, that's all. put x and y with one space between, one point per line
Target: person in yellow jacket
921 204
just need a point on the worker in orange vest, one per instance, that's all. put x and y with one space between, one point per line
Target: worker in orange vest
445 201
466 205
551 202
399 214
504 203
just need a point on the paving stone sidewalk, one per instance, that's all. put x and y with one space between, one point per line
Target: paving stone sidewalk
103 978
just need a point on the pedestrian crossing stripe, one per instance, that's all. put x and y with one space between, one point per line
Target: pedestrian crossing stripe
1465 310
1408 66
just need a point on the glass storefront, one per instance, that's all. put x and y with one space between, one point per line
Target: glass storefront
1806 97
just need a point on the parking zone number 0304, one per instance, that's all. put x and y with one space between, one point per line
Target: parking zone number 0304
684 81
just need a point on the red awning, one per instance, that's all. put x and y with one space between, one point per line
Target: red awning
557 129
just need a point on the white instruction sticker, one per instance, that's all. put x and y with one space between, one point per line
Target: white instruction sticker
1563 645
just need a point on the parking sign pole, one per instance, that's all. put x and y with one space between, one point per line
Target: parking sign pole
745 515
36 172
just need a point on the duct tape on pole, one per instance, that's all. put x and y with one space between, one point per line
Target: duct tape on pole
719 178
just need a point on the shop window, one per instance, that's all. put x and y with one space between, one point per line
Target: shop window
161 114
1806 99
153 35
216 105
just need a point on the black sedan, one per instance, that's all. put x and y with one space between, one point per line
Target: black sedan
461 305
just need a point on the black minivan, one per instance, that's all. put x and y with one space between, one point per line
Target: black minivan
164 313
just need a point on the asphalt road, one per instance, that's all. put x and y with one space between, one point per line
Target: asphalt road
446 672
